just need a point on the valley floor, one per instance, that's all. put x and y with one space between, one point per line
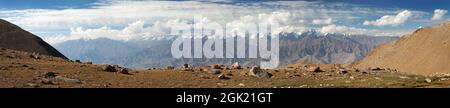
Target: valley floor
25 70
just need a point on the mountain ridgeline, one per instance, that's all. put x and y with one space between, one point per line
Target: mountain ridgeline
308 47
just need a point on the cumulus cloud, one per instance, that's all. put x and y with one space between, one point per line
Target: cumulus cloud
439 14
134 31
393 20
322 21
359 31
127 20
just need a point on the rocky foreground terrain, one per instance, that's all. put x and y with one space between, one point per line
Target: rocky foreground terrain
30 70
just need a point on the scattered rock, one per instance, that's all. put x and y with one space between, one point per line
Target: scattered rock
70 80
215 66
10 56
256 71
31 68
314 69
24 65
226 68
375 68
50 74
428 80
342 71
33 85
89 62
77 61
185 66
222 76
221 84
444 79
4 68
125 71
241 85
170 67
152 68
229 74
46 81
216 71
236 66
35 56
109 68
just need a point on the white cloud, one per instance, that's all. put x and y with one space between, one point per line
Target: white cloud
396 20
438 14
359 31
134 31
322 21
125 20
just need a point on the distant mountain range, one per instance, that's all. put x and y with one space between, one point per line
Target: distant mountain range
14 37
307 47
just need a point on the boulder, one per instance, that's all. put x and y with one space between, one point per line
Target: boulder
109 68
170 67
236 66
35 56
375 68
342 71
314 69
185 66
125 70
215 66
256 71
222 76
50 74
428 80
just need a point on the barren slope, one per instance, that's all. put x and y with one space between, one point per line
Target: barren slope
14 37
426 51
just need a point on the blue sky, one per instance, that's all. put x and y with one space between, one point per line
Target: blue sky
61 20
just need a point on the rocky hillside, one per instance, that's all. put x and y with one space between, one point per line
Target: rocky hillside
425 51
14 37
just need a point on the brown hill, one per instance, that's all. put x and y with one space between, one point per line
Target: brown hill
426 51
14 37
